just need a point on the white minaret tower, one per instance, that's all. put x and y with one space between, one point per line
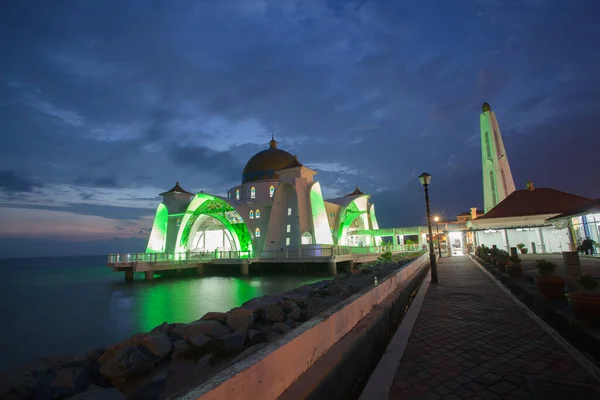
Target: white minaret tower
498 181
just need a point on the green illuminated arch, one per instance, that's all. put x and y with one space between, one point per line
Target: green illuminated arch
158 235
319 216
347 218
204 204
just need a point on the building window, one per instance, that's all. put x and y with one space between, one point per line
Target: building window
257 213
237 194
487 145
288 228
287 241
257 233
306 238
493 187
251 214
271 191
289 211
253 193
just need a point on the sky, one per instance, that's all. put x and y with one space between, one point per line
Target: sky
105 104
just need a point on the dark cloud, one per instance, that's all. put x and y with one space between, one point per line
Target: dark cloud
10 181
106 211
126 98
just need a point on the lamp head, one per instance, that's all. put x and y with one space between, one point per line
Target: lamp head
425 178
436 218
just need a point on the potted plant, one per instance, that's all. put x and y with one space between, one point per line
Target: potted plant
494 255
522 248
502 260
514 268
548 285
585 303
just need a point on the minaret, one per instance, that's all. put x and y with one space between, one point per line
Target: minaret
498 181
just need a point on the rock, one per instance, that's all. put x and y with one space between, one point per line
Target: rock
261 302
255 337
17 385
231 343
353 289
128 362
240 319
366 271
210 328
214 316
115 348
204 361
334 290
181 349
161 376
200 344
273 336
249 351
162 328
99 393
272 313
280 327
313 303
69 382
291 309
159 344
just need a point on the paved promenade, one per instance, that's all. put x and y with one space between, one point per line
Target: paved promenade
470 340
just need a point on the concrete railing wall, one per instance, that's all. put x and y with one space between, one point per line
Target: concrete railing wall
269 372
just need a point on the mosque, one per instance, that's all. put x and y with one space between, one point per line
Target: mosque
278 206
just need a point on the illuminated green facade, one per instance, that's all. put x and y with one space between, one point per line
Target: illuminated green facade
257 217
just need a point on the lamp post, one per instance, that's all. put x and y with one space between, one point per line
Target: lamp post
425 178
437 229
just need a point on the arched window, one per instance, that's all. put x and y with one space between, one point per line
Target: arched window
251 214
257 233
306 238
271 191
253 192
237 194
257 213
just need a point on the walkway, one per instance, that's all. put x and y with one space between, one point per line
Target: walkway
471 340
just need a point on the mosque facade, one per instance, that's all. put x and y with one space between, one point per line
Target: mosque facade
277 206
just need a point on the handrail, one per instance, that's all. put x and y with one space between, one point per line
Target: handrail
321 251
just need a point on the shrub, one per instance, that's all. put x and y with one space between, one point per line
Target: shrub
520 246
514 259
408 241
386 256
545 268
587 282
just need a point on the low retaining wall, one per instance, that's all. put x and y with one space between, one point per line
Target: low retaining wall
270 371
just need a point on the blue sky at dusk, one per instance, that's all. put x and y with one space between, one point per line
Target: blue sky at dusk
105 104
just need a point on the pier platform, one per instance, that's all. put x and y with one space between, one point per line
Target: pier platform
148 263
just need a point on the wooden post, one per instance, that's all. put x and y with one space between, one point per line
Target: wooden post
332 267
245 268
200 269
149 275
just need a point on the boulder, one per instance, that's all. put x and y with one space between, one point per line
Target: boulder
291 309
273 336
99 393
201 344
181 349
214 316
162 328
353 289
110 351
280 327
272 313
126 363
69 382
231 343
240 319
17 385
255 336
210 328
249 351
159 344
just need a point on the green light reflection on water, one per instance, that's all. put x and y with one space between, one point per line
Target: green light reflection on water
186 300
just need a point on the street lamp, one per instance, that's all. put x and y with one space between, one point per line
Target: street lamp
425 178
437 228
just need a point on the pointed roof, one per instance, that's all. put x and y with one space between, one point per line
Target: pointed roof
593 207
521 203
177 189
357 192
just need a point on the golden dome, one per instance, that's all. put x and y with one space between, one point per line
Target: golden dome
262 165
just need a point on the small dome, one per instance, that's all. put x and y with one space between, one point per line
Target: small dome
486 107
262 165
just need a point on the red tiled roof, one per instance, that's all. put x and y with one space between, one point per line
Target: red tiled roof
592 207
177 189
522 203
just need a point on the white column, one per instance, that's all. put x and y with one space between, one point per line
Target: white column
539 238
505 240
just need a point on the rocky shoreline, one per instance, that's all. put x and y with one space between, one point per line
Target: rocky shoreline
172 356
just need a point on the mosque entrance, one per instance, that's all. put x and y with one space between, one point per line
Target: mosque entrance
209 235
353 239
